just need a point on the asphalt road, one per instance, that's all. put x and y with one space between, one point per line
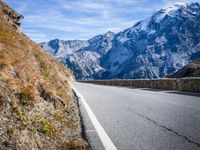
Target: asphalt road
144 119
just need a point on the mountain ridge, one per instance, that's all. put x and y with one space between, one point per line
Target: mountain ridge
151 48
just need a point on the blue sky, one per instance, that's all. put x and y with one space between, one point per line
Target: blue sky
82 19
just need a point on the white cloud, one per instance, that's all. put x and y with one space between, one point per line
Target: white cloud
82 19
36 35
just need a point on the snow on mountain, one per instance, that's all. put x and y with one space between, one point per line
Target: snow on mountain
170 11
100 43
83 57
156 48
59 48
84 64
152 48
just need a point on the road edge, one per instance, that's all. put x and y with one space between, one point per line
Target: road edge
82 123
105 139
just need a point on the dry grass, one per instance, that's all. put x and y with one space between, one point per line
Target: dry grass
31 83
21 59
29 95
190 70
46 126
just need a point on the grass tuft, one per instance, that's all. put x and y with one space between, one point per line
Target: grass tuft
28 95
45 126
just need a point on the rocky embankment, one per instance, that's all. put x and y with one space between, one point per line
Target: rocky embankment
37 110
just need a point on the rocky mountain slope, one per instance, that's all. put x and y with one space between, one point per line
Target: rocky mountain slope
152 48
190 70
36 106
59 48
84 59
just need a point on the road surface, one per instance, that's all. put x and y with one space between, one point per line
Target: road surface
143 119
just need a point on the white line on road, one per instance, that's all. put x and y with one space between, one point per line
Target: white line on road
106 141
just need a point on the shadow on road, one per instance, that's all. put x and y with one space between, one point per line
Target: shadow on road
170 92
154 90
160 90
184 93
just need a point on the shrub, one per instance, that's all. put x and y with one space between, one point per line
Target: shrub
15 103
45 126
4 64
28 95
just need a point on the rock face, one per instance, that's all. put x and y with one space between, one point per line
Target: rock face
61 49
36 106
152 48
12 16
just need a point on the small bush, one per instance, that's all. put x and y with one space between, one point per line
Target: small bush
11 130
19 114
16 111
15 103
32 129
74 144
4 64
45 126
59 116
29 95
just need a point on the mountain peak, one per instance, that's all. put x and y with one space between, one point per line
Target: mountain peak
152 48
173 10
109 34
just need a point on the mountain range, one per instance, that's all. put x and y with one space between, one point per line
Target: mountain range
151 48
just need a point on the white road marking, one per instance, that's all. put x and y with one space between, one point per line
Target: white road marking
90 131
106 141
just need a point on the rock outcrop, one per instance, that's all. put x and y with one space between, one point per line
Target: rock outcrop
12 16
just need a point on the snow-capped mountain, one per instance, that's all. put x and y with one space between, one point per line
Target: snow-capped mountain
84 64
152 48
83 57
59 48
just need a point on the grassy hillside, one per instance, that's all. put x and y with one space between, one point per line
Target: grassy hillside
190 70
36 107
